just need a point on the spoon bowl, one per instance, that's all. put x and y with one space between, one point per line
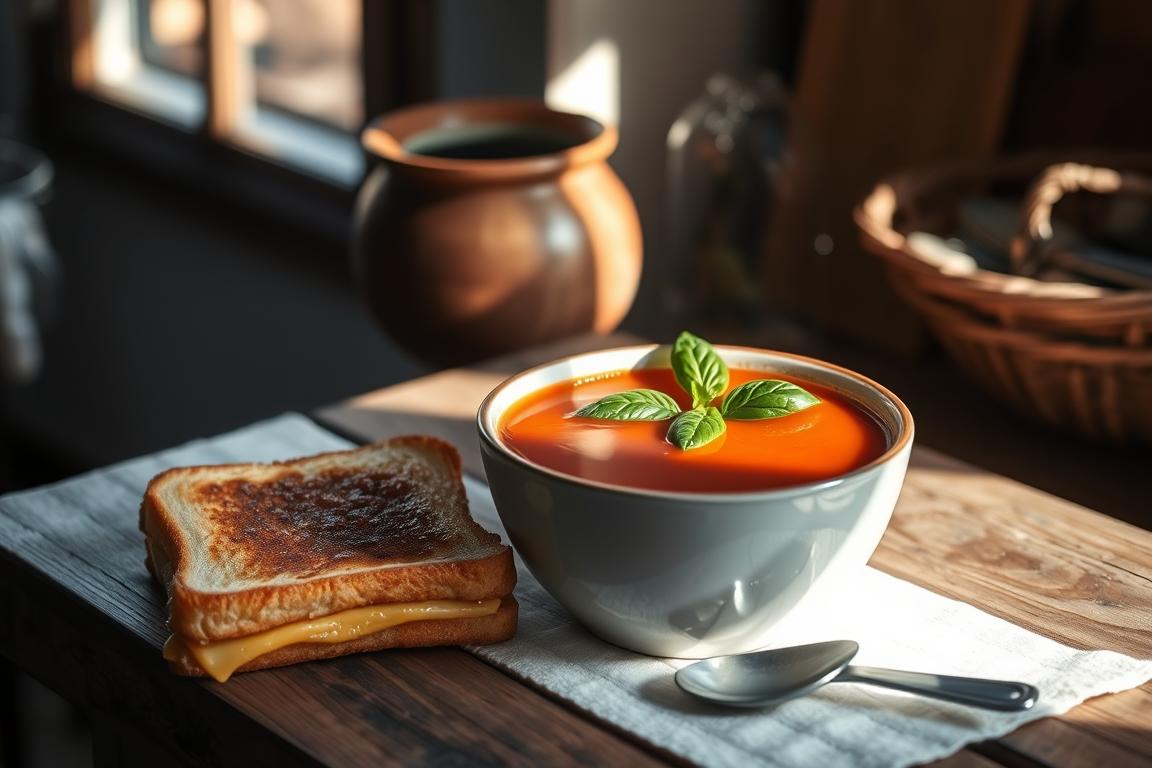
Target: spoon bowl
770 677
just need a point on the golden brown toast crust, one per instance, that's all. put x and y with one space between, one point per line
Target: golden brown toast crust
483 630
302 524
295 522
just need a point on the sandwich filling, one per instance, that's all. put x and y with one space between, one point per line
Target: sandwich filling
223 657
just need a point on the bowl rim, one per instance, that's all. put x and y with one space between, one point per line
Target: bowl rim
898 446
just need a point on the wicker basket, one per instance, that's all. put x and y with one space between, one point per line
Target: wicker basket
1072 355
1100 392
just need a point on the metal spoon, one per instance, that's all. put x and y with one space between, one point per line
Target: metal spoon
769 677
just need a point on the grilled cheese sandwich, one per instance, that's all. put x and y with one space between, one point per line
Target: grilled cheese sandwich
272 564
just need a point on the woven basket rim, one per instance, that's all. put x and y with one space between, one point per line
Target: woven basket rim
875 214
959 322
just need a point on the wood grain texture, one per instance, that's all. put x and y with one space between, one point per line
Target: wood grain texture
1043 563
965 759
1054 741
1046 564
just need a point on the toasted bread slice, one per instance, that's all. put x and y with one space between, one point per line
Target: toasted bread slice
243 548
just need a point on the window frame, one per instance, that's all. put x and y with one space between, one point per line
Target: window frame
397 64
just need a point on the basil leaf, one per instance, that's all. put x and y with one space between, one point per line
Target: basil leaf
766 399
695 428
633 405
699 369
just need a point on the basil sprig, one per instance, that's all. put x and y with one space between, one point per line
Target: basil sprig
699 369
704 376
766 399
633 405
695 428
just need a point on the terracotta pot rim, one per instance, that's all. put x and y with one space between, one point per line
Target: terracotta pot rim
385 136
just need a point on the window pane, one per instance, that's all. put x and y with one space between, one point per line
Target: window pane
307 61
146 54
171 35
302 94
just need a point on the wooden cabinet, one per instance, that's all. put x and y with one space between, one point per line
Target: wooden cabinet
880 86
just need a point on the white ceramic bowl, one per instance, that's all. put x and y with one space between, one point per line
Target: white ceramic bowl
691 575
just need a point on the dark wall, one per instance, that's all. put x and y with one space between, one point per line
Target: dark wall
1082 77
12 68
493 48
180 318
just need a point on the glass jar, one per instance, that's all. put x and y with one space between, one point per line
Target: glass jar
724 153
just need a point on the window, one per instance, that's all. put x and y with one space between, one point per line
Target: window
146 61
279 79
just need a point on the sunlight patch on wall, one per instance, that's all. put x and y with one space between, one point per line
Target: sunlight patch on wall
589 85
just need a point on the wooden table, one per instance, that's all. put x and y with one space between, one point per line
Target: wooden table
1053 567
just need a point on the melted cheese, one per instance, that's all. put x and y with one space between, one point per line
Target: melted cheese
223 657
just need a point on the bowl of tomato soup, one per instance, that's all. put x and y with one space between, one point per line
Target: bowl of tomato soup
701 552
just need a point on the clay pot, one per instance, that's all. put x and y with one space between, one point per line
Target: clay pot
488 226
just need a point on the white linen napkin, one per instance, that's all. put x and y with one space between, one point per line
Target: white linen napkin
896 623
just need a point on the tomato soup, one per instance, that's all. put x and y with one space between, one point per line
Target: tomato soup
821 442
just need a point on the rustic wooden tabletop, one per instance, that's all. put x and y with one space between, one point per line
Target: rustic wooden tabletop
84 618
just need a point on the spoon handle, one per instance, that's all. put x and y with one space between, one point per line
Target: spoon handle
1003 695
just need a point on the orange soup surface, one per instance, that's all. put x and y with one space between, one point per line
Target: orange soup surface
821 442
